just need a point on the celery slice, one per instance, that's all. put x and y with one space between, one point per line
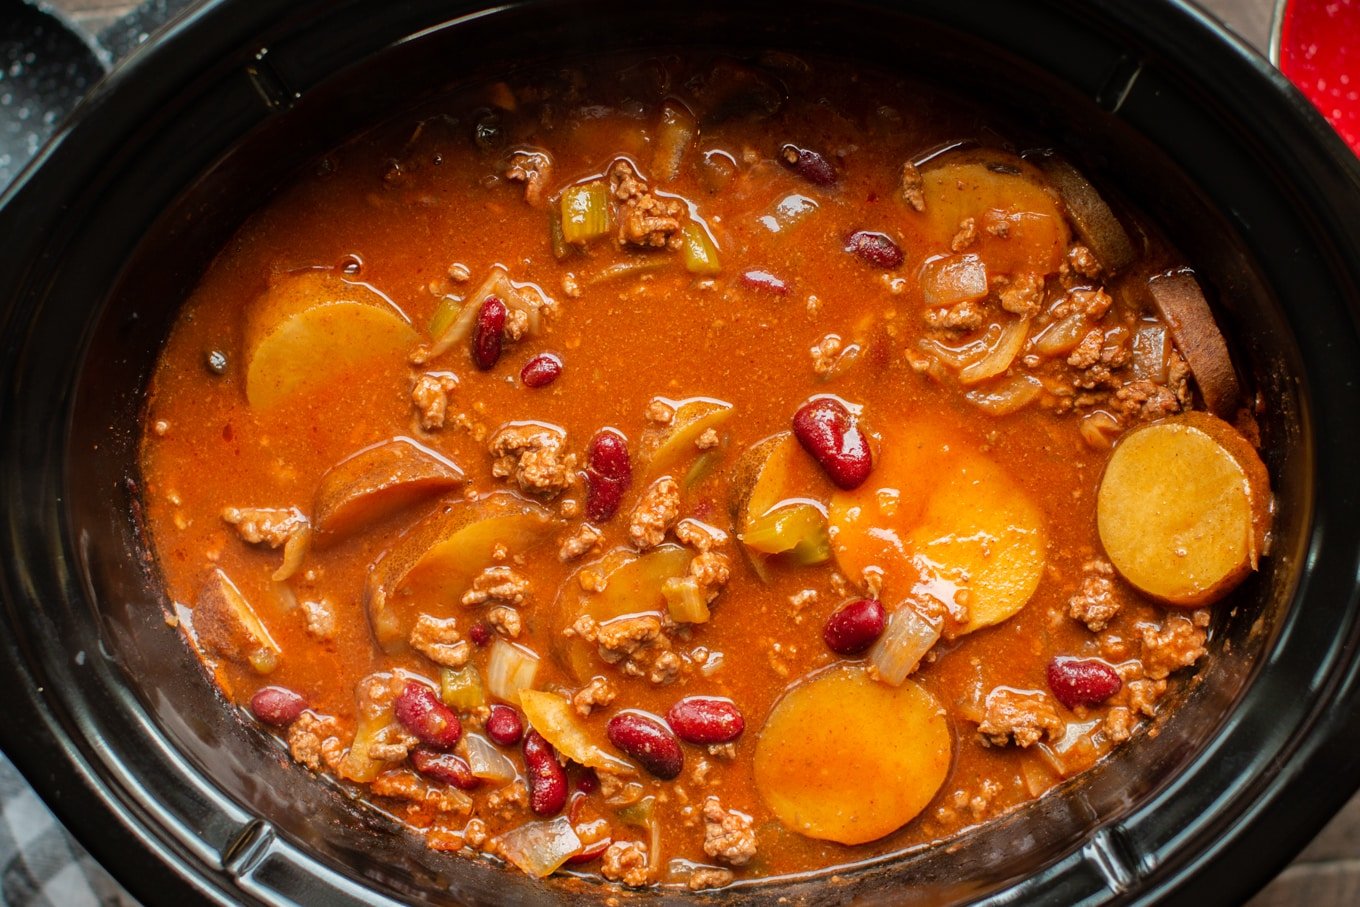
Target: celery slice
685 600
462 688
585 212
798 528
697 250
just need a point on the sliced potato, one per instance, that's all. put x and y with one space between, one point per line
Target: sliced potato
377 482
1184 508
1179 301
553 717
1096 224
941 519
769 509
311 327
634 584
226 624
662 447
1017 221
845 758
433 564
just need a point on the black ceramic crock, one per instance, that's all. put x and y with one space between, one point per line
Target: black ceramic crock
111 719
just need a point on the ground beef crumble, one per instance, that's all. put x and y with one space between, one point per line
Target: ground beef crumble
534 456
655 513
638 644
626 862
1178 643
578 543
1024 717
598 693
1095 604
963 316
313 741
438 639
430 396
505 621
534 169
728 834
645 219
403 784
913 187
499 584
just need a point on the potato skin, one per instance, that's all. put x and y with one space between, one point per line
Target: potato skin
1184 509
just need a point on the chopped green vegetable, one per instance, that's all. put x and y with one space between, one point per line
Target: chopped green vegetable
697 250
633 266
462 688
685 600
585 212
798 528
704 466
445 314
560 249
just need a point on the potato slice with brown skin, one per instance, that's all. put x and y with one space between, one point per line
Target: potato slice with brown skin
1018 225
226 625
633 585
376 482
311 327
940 518
1184 508
662 447
1096 224
1179 301
771 498
845 758
433 564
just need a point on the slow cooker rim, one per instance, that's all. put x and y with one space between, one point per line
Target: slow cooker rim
149 64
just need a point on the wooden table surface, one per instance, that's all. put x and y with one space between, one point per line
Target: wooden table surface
1327 873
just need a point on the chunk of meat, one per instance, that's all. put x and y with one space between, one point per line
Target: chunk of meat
1095 604
320 619
1119 724
1024 717
578 543
497 584
1091 302
966 235
314 741
655 513
1177 643
708 439
961 316
438 639
1023 295
708 877
1083 261
825 354
626 862
534 455
711 570
637 643
1142 695
728 835
660 412
430 396
645 219
404 784
506 621
533 168
273 526
1087 352
699 535
913 187
598 693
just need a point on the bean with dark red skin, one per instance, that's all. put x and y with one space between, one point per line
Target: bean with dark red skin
706 719
808 164
828 431
589 781
419 710
504 726
874 248
480 634
855 627
547 778
489 334
609 472
764 282
449 768
540 371
591 852
647 740
1075 681
277 706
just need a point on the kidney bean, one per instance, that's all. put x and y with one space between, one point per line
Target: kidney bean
647 740
489 334
874 248
591 851
765 282
808 164
547 778
609 471
827 430
419 710
706 719
855 627
277 706
449 768
589 781
1076 682
540 371
503 725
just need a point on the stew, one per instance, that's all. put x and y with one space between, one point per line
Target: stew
695 469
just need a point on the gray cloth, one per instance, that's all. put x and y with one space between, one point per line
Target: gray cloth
40 864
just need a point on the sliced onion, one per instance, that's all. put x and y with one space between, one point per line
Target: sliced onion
1149 353
539 848
510 669
1061 337
553 717
953 279
487 762
1098 430
674 137
1000 357
787 212
902 646
957 357
494 285
1007 397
